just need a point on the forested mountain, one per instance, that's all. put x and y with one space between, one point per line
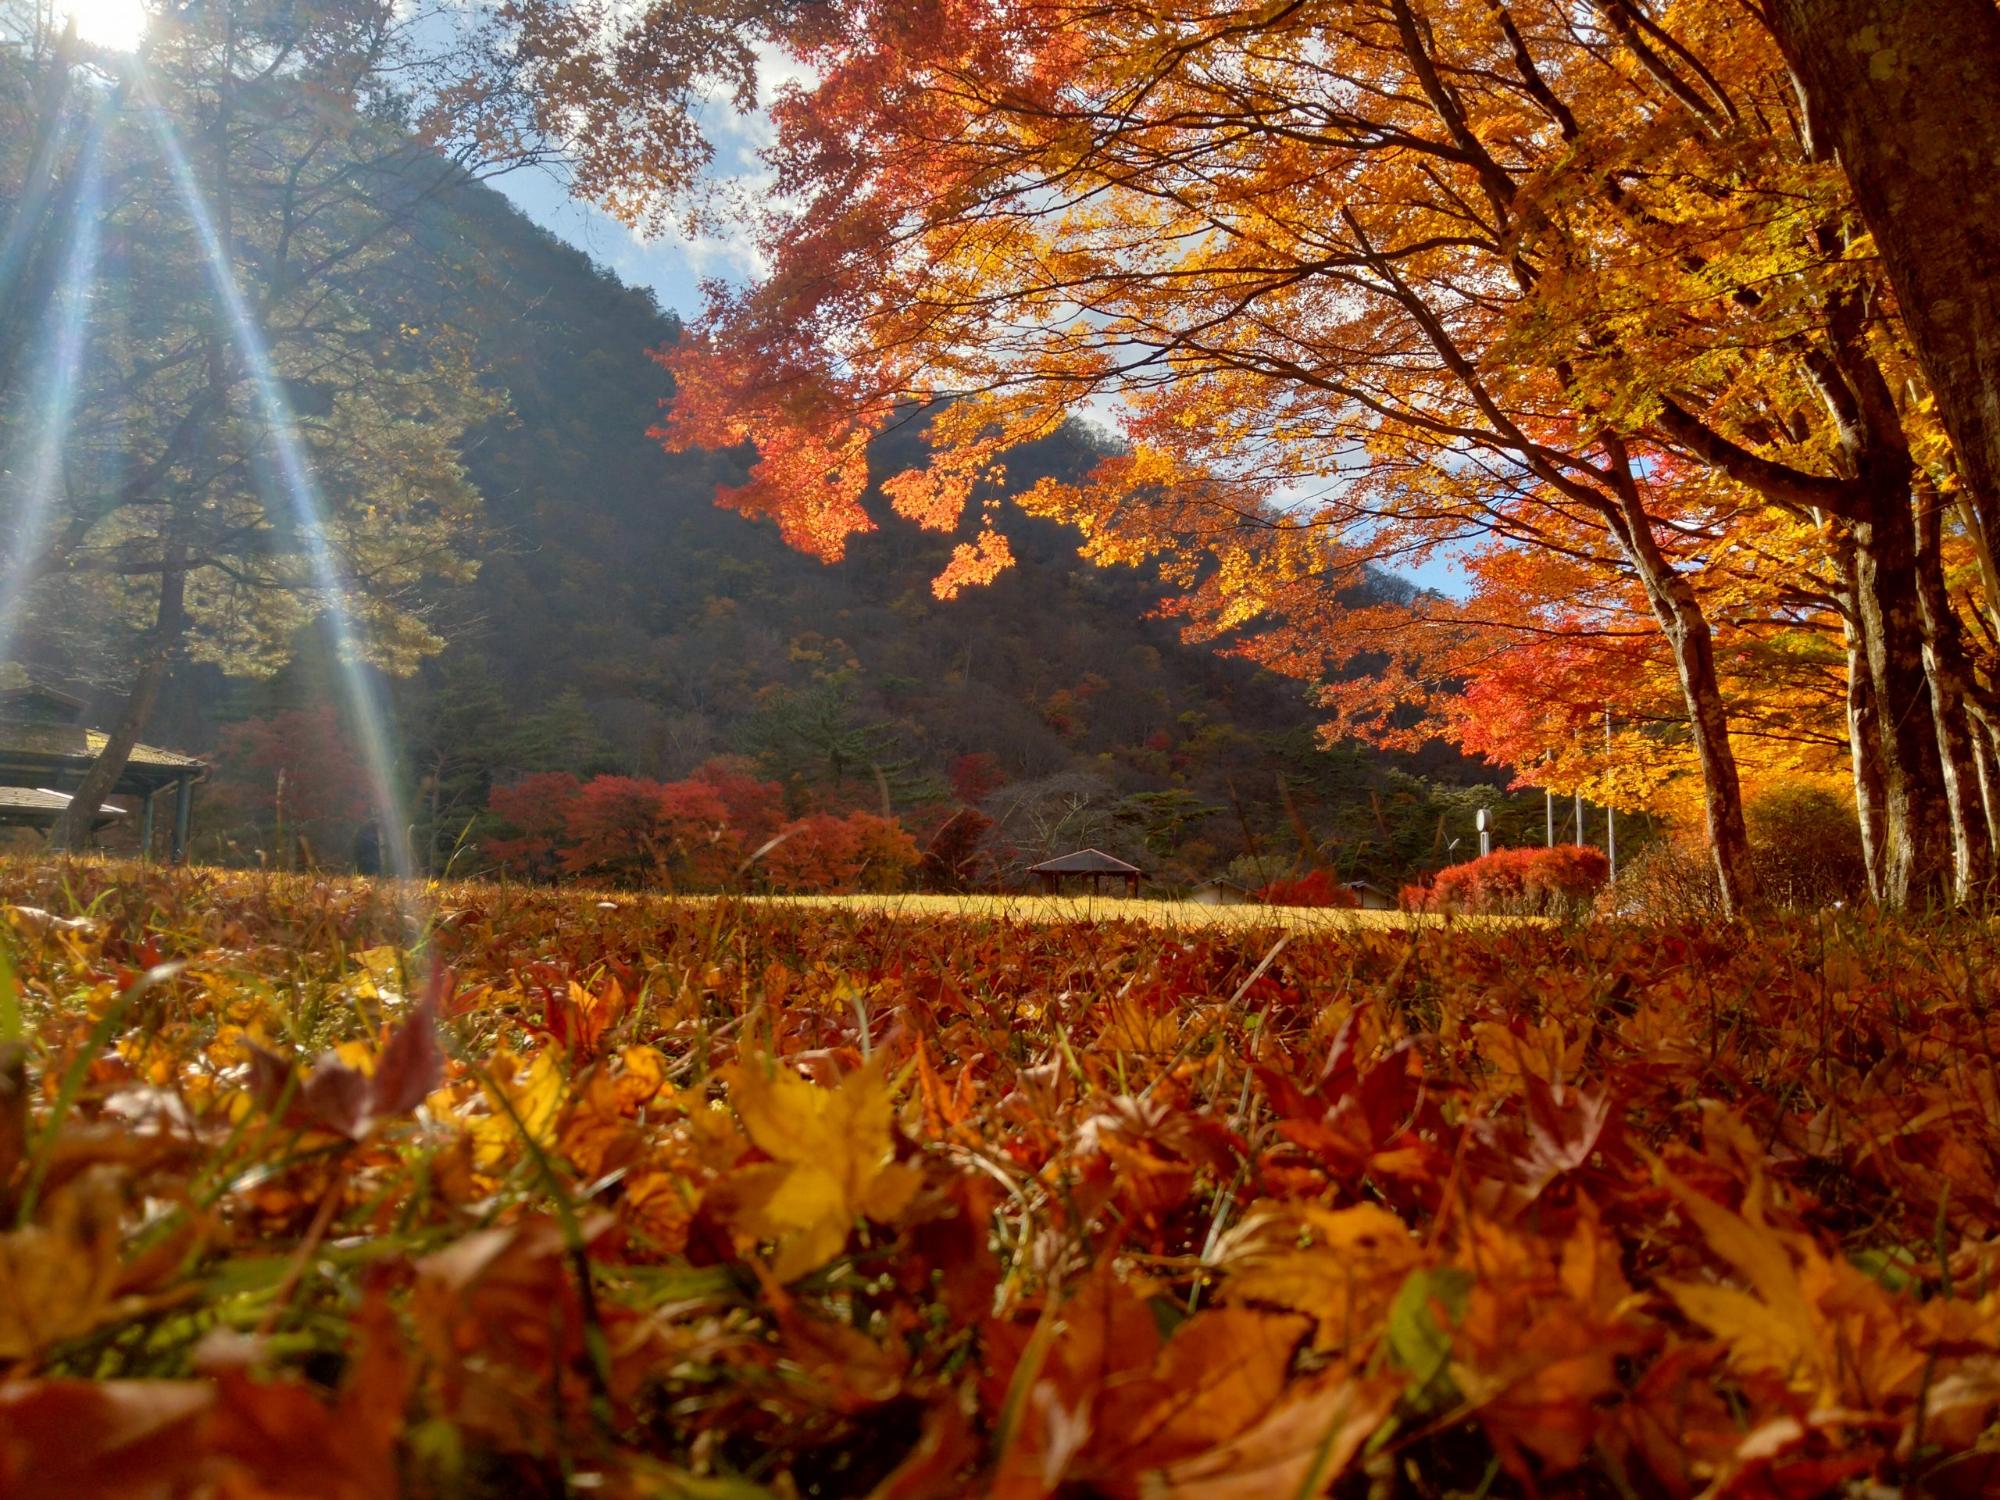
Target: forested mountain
621 623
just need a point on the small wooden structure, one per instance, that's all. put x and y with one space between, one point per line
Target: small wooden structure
45 751
1093 865
1222 891
1372 896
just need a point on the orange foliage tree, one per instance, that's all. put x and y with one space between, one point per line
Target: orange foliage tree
1374 280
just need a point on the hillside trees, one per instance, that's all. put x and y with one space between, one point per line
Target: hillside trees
263 432
1366 280
254 439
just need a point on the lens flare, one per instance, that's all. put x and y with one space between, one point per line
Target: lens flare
59 359
294 474
116 25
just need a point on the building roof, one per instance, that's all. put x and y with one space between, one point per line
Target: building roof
35 754
38 703
35 806
1085 862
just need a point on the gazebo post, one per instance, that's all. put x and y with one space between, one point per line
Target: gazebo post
183 809
146 828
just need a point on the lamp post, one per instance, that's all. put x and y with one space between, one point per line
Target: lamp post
1483 823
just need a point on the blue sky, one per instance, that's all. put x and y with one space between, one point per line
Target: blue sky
674 269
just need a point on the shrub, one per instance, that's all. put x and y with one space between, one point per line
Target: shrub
1672 880
754 808
955 857
691 834
826 852
1314 888
297 769
1805 853
1805 847
627 829
534 824
1521 882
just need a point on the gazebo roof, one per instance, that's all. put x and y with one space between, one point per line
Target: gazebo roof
37 754
38 808
1085 862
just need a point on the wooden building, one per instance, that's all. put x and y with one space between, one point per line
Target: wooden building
1093 865
1372 896
45 751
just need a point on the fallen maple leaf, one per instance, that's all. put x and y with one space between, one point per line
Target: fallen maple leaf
93 1440
1304 1443
59 1276
340 1097
831 1161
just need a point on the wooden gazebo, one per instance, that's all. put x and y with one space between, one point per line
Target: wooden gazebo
1093 865
45 751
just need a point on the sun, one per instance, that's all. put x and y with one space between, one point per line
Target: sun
115 24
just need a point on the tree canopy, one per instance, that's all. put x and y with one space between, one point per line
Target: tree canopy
1574 290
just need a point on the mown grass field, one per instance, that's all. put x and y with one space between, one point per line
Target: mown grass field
307 1192
1158 913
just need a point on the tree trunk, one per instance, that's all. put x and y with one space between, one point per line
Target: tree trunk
1988 767
1917 867
1950 672
1907 96
1864 743
73 832
1708 717
1686 628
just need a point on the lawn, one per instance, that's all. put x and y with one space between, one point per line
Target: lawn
531 1192
1037 908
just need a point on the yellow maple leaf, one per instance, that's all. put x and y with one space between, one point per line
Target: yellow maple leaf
524 1103
57 1276
1758 1338
1773 1330
830 1162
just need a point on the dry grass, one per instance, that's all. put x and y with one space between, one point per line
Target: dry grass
1157 913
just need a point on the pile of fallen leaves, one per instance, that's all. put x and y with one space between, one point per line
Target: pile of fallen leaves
307 1193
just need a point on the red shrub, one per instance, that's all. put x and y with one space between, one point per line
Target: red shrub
534 814
755 809
624 828
1520 882
823 852
1314 888
296 766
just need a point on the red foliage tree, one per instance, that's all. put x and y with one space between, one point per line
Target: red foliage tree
754 808
628 829
534 814
976 776
297 768
825 852
954 858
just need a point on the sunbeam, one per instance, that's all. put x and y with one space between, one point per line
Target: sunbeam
60 356
301 490
117 25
